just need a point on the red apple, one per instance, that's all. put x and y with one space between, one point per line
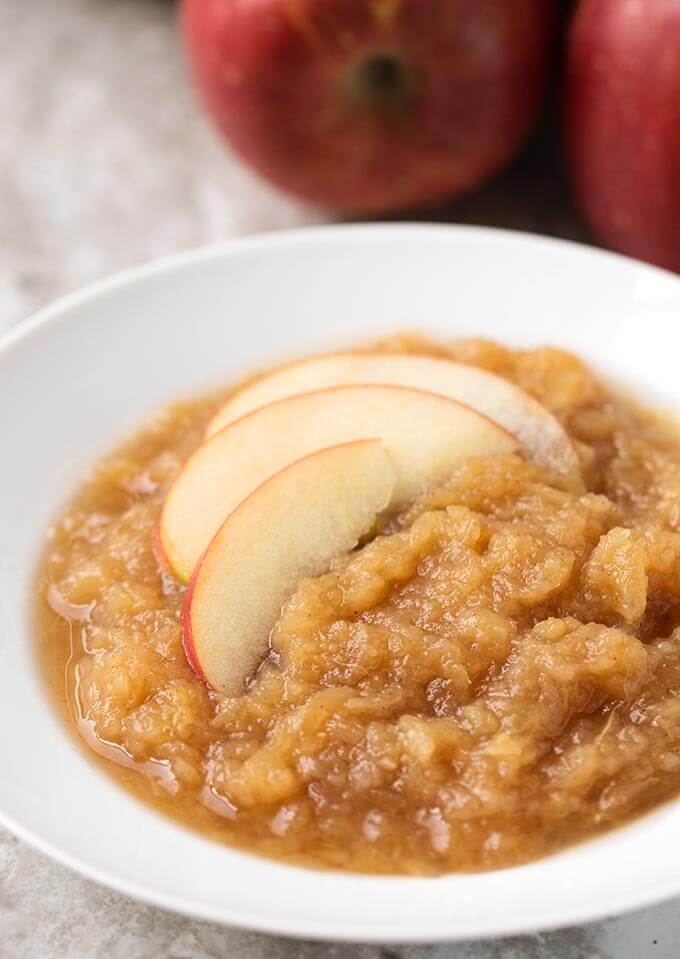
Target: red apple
372 105
623 124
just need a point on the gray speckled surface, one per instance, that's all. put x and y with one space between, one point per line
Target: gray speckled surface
106 162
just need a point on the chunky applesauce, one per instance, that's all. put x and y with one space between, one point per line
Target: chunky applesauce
493 675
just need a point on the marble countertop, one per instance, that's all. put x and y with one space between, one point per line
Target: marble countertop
106 162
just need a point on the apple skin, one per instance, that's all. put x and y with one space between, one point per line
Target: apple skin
622 124
187 633
372 105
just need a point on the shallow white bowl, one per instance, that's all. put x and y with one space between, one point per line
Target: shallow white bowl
83 374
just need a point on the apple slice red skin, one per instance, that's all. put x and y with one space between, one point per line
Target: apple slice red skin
381 495
187 633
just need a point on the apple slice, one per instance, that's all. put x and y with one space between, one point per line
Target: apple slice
544 439
289 527
425 434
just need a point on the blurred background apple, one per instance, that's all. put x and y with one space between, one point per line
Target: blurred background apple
372 105
622 125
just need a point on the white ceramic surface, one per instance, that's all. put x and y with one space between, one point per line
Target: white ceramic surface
83 374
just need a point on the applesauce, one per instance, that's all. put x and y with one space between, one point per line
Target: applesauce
491 676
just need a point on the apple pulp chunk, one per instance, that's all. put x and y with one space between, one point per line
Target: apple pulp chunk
496 675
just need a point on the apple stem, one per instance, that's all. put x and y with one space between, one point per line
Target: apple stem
383 81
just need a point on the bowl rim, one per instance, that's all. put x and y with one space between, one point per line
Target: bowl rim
54 310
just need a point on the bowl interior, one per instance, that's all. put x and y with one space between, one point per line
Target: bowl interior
89 371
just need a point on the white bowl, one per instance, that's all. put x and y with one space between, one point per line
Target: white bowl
83 374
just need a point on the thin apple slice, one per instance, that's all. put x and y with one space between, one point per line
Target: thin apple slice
425 434
544 439
288 528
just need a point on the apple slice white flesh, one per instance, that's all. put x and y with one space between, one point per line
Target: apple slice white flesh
288 528
543 437
425 434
